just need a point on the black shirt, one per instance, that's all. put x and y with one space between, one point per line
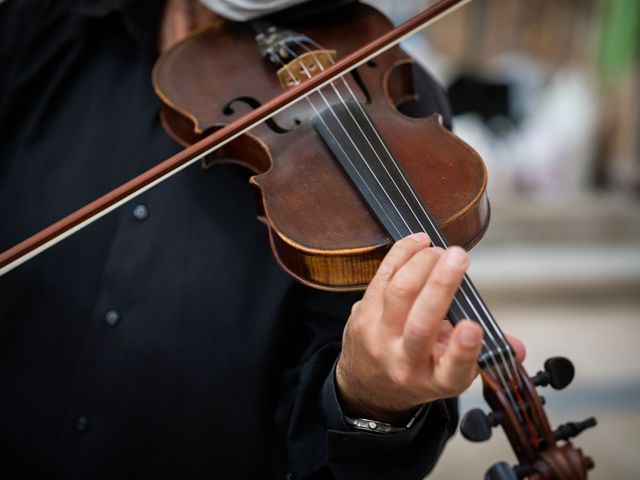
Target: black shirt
162 341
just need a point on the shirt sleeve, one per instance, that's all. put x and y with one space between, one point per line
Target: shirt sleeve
320 444
242 10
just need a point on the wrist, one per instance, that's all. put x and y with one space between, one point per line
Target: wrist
357 402
376 426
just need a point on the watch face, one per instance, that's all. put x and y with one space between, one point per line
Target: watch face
369 425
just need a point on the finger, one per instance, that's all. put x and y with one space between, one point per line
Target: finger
518 346
457 367
442 340
445 332
399 254
404 287
431 305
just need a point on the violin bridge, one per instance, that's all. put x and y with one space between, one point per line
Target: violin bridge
305 67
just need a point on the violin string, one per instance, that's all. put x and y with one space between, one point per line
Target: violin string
442 240
466 281
496 365
498 370
102 207
294 54
317 112
395 207
353 96
355 168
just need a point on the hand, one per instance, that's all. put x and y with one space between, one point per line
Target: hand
397 351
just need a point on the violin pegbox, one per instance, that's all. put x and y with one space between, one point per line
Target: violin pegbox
542 453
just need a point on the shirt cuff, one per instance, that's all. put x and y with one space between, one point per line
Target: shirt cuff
339 432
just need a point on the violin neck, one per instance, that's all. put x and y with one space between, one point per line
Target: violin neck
351 135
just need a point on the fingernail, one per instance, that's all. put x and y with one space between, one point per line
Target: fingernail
420 237
470 335
456 257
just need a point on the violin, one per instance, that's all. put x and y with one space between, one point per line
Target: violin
314 110
321 231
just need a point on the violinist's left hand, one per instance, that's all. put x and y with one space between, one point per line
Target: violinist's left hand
397 350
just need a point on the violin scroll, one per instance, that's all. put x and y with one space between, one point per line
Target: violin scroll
542 453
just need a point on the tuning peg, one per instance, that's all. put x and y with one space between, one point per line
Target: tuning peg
476 425
573 429
558 372
504 471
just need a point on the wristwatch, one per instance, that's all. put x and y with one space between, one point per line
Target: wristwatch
375 426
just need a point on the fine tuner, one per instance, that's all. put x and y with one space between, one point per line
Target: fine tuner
476 425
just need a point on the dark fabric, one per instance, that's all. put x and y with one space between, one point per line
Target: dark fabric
160 342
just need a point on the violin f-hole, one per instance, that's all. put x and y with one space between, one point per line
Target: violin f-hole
229 110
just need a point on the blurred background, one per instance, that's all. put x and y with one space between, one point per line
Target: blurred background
548 92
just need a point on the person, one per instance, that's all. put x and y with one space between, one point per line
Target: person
163 341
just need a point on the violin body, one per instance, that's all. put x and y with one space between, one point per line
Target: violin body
329 172
340 174
321 231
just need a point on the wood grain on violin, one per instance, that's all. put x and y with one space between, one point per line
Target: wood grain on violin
322 233
339 178
344 175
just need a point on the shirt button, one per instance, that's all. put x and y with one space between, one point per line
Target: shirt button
82 424
112 318
140 212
